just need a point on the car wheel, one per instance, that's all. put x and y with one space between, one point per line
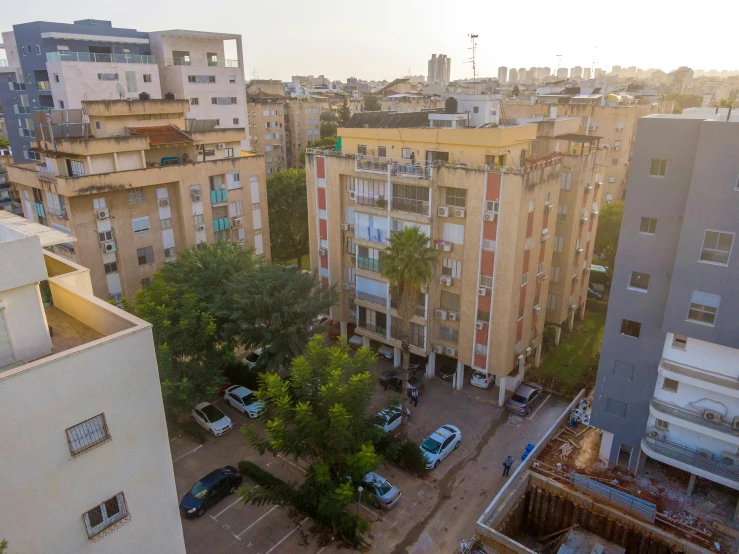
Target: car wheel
200 512
457 445
376 504
436 464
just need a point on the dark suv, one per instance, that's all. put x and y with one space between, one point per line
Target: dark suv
391 379
210 490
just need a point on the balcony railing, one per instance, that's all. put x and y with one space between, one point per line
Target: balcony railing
375 201
704 460
370 264
397 167
20 110
372 298
371 164
98 58
219 196
12 85
723 426
46 175
373 328
201 62
43 85
412 206
371 234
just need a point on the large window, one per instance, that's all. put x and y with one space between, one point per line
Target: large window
565 181
639 281
703 307
657 167
369 192
418 332
648 226
87 435
449 334
456 197
450 301
717 247
105 515
452 268
140 225
145 255
409 198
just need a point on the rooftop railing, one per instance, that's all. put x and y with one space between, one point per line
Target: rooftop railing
64 56
201 62
707 461
397 167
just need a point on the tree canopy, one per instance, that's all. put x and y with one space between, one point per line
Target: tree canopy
329 124
288 215
609 228
4 144
372 103
344 113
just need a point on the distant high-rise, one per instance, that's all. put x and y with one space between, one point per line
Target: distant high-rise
586 73
502 74
616 70
543 73
513 75
439 69
576 72
562 73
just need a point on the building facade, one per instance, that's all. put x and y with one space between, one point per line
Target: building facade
92 467
267 128
440 68
302 126
134 185
502 74
667 381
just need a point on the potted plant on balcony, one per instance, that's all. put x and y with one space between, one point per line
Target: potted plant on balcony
46 296
381 203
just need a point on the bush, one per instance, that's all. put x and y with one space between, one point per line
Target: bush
260 476
406 455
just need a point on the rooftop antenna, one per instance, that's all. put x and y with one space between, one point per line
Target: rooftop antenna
254 74
472 59
559 59
592 68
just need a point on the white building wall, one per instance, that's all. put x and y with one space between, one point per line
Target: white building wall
704 355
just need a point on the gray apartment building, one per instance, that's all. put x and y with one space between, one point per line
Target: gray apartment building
668 379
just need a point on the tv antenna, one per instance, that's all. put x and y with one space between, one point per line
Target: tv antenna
559 59
472 59
592 67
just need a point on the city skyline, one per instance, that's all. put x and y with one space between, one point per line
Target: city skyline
306 54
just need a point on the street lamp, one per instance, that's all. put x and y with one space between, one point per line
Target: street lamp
360 489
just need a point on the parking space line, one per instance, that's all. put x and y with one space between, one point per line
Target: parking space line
188 453
283 539
371 511
539 408
215 517
253 524
292 464
322 549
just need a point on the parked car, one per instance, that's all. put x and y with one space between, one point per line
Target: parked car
439 444
252 358
482 380
389 418
416 363
392 379
243 399
526 396
321 320
356 341
592 293
447 369
209 491
380 492
212 419
387 352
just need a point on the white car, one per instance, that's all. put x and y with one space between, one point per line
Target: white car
389 418
212 419
252 358
356 341
386 352
440 444
242 399
482 380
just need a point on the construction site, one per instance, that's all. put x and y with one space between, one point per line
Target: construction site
563 500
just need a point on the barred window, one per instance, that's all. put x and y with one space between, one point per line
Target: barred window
136 196
449 334
409 198
456 197
450 301
87 434
105 515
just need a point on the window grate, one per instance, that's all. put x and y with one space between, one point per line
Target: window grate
87 435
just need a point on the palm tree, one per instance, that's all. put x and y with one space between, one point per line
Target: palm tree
407 264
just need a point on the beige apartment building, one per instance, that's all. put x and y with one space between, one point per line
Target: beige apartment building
488 199
85 454
267 127
603 115
303 126
136 181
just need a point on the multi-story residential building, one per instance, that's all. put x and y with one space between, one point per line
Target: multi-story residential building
513 75
267 127
586 74
135 182
576 72
302 126
599 114
562 73
502 74
85 453
440 68
58 65
489 208
667 381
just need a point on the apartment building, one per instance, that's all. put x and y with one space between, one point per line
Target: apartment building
439 69
488 214
667 384
267 127
607 116
302 126
135 181
58 65
85 452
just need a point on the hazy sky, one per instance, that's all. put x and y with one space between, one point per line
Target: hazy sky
376 39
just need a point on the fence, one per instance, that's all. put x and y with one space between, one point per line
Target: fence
630 504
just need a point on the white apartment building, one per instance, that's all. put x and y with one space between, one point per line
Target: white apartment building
85 452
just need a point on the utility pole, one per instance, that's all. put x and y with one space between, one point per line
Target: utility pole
474 67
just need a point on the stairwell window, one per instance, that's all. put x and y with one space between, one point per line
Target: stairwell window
630 328
657 167
145 255
703 307
716 247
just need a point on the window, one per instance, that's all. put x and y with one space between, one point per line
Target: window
105 515
56 77
657 168
703 307
648 226
551 302
476 109
110 268
382 151
140 225
614 161
456 197
717 247
488 245
566 181
449 334
194 101
230 152
235 120
166 223
670 385
486 282
623 369
450 301
492 206
482 315
639 281
406 154
481 349
75 168
616 407
145 282
145 255
362 149
630 328
350 245
87 435
410 198
452 268
61 105
97 125
236 209
169 252
680 342
562 212
616 144
105 235
559 243
147 77
453 233
136 196
257 232
255 206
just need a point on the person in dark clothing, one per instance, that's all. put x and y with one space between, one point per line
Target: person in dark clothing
507 463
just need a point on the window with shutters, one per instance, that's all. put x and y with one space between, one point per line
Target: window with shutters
140 225
454 233
87 435
551 302
236 209
111 267
450 301
559 243
554 274
166 223
452 268
562 212
136 196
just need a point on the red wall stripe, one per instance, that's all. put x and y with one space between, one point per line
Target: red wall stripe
487 263
492 191
530 224
321 198
526 256
324 261
320 167
480 360
519 329
322 225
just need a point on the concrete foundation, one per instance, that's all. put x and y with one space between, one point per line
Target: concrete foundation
691 484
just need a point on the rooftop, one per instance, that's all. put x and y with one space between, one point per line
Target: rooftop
68 332
162 134
390 120
23 226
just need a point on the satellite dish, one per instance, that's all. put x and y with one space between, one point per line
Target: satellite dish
120 90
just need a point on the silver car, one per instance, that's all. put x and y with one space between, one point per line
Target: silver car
527 396
242 399
380 492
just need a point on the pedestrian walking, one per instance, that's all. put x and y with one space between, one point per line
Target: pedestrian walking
414 397
507 463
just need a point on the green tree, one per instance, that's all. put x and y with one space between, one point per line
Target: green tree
371 103
326 142
515 91
4 144
344 113
329 124
408 265
288 215
275 309
320 416
609 228
683 101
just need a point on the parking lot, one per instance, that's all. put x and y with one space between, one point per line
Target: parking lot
435 510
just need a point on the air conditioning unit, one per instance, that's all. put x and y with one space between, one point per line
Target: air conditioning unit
345 286
480 325
164 202
544 235
352 290
195 195
730 458
656 433
451 352
735 423
438 349
712 415
541 277
528 351
576 278
444 246
704 453
459 213
344 226
446 281
322 252
108 246
352 195
594 213
351 229
453 316
583 220
440 314
220 146
238 222
579 251
537 310
599 184
102 213
443 211
588 189
548 208
199 227
573 307
482 291
490 216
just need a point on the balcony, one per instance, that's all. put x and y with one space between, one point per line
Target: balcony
698 377
396 167
98 58
22 110
204 62
16 86
373 328
219 196
46 175
370 264
371 234
371 164
694 421
43 85
372 298
702 463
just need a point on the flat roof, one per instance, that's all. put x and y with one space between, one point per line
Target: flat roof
196 34
574 137
47 235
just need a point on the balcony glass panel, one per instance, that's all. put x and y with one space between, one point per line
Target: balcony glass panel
65 56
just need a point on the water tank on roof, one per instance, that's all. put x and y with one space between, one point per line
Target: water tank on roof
450 106
169 96
144 96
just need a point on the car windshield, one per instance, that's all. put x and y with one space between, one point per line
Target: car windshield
248 399
199 490
253 357
430 445
518 398
383 488
479 375
212 413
